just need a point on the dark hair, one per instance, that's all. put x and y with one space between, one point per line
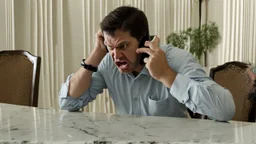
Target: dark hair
126 18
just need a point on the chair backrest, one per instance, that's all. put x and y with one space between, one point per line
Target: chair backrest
236 79
19 77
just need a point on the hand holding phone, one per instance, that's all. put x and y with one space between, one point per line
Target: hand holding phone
157 63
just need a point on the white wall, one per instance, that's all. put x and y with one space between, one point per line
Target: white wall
22 29
73 35
236 20
215 14
2 25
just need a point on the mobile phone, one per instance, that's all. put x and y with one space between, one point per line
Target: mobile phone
142 44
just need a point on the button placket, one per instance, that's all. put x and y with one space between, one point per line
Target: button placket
136 97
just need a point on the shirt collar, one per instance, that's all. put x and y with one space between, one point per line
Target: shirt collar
145 71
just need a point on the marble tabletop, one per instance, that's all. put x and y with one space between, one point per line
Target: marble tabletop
20 124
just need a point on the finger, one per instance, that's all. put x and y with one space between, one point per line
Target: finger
100 33
147 43
154 43
144 50
100 37
146 60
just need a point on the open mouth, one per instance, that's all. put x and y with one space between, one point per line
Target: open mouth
122 65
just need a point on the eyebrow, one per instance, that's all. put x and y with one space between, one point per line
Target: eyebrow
122 43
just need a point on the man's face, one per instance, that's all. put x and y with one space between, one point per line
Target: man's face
122 47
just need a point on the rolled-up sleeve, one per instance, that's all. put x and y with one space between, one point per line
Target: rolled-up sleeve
200 93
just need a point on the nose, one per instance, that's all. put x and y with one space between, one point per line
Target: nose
116 53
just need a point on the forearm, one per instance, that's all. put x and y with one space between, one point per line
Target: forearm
69 103
168 77
81 80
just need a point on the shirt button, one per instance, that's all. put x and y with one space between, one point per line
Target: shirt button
135 99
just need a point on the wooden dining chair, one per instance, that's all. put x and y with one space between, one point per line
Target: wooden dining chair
234 76
19 77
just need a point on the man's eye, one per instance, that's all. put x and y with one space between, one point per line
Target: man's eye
123 46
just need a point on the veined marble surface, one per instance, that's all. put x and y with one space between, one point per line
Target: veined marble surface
20 124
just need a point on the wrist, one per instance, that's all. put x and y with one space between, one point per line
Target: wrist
168 77
89 67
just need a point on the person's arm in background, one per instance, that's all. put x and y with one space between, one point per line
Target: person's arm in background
73 94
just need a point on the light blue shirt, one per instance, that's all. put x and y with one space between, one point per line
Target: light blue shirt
143 95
